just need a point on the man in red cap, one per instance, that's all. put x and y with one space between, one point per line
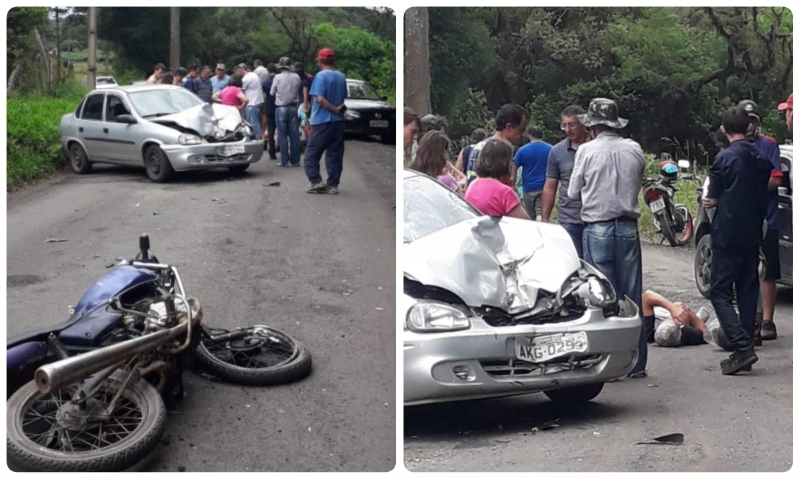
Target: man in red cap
787 107
329 91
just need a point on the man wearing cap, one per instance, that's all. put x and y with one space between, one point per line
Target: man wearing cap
607 177
220 80
251 86
768 148
328 91
286 88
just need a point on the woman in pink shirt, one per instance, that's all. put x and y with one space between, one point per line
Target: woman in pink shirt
232 95
490 193
433 156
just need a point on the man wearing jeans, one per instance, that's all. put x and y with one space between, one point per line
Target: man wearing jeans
251 86
286 88
607 178
738 181
560 163
329 91
269 110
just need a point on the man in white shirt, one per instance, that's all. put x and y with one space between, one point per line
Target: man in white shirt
260 70
251 86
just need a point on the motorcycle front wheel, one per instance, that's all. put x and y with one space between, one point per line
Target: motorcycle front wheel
666 229
683 215
46 433
255 356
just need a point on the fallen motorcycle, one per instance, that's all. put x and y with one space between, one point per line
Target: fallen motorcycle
89 394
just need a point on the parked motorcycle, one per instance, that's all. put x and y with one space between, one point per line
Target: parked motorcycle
672 219
88 394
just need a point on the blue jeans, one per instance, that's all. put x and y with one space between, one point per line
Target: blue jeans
327 138
254 118
613 248
575 231
288 125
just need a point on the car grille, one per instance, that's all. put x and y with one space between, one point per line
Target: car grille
240 157
497 318
514 368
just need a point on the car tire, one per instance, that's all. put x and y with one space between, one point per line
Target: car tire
702 266
79 160
575 394
158 167
238 169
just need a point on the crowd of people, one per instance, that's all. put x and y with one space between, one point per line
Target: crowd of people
280 100
600 174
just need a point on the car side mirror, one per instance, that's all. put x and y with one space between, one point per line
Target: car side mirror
126 119
684 164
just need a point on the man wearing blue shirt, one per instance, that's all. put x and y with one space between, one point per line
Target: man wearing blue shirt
768 148
220 80
329 91
532 158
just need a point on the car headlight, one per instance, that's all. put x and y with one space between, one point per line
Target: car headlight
596 290
351 115
248 130
189 140
430 316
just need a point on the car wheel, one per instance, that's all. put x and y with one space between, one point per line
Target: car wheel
702 266
575 394
239 169
158 167
78 159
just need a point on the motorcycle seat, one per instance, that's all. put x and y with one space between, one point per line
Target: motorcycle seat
40 334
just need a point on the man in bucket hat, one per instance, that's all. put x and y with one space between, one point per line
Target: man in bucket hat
286 89
607 178
329 91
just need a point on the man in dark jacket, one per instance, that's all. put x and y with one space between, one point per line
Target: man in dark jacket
269 110
738 182
202 85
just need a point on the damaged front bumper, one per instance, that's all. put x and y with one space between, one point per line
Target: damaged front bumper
481 362
213 155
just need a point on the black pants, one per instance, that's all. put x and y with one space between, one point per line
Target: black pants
739 271
271 135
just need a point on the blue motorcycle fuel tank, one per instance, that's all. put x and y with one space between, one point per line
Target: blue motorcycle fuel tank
97 318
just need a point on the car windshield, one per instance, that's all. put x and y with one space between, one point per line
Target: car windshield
429 206
163 101
105 81
361 91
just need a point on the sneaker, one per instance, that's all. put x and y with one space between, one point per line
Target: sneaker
297 165
332 190
638 375
738 361
768 331
315 188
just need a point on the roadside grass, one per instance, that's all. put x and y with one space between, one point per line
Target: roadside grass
34 151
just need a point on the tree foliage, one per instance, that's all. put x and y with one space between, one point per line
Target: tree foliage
672 70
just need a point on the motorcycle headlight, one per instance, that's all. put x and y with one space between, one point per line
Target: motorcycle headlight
429 316
189 140
351 115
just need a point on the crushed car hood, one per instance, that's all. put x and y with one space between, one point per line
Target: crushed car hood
497 262
212 120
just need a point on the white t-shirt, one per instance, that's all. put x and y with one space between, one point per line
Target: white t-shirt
251 86
661 315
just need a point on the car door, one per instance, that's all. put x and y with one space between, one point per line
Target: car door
785 222
119 137
90 126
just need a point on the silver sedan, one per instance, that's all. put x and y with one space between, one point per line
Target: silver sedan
501 306
162 128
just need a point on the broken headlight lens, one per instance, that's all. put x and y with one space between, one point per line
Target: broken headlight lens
352 115
190 140
432 316
596 290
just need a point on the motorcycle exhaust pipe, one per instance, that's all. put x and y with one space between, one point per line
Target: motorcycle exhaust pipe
54 376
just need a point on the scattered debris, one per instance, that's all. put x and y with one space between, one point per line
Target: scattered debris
55 240
675 439
595 433
652 385
379 309
137 205
276 183
155 213
535 430
218 201
181 468
551 425
347 293
95 256
502 441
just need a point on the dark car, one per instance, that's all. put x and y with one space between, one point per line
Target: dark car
702 260
367 112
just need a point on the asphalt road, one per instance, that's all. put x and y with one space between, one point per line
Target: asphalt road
733 423
319 267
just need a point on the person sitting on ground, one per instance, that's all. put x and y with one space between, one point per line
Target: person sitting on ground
673 324
432 158
489 193
232 94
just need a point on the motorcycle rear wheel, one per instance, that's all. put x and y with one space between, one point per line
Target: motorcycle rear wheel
265 356
139 420
688 224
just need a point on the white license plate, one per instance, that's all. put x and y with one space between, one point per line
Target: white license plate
538 349
379 123
657 205
231 150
